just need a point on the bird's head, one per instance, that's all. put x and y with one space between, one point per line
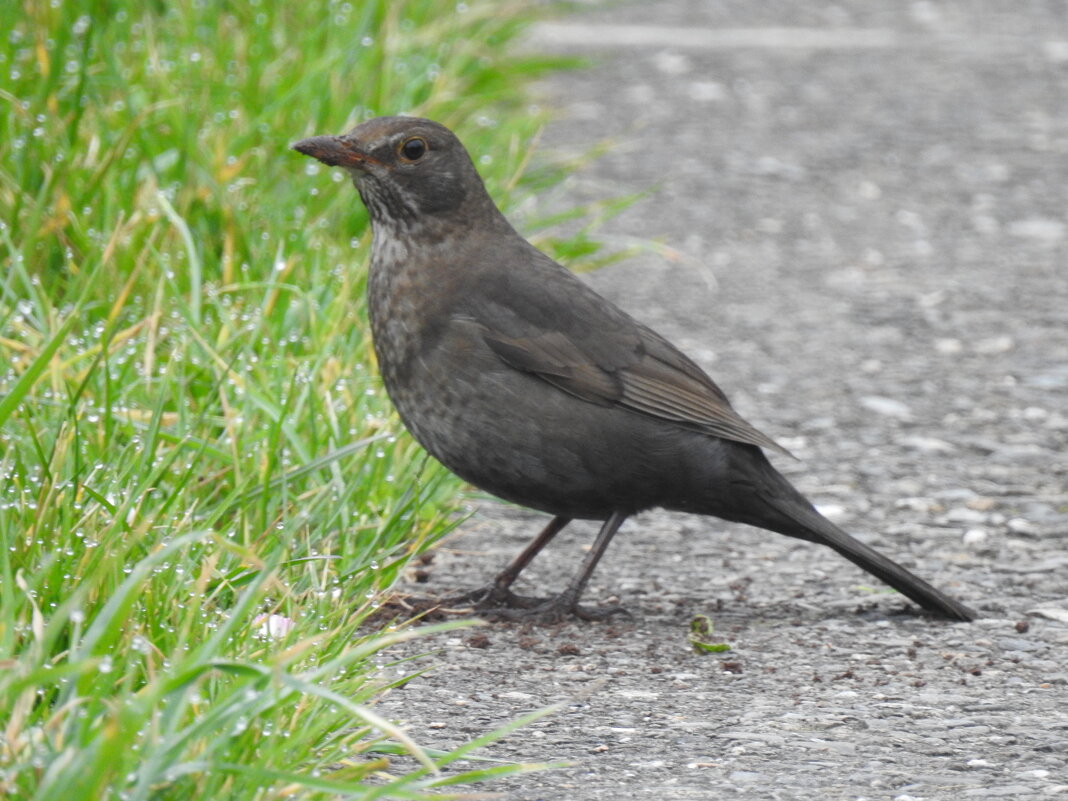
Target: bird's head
405 168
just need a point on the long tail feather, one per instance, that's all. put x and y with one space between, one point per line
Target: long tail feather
811 525
783 509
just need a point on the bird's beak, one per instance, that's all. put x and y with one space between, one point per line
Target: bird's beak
333 151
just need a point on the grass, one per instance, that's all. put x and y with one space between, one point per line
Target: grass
202 487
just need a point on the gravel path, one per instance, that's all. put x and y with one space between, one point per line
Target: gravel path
864 239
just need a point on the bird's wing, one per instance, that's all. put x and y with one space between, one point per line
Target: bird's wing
598 353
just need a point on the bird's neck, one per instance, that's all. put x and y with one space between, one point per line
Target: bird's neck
435 239
419 270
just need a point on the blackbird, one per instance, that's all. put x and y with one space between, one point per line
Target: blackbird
526 383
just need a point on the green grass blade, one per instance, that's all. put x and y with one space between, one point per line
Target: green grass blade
29 377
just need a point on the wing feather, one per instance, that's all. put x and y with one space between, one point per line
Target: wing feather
595 351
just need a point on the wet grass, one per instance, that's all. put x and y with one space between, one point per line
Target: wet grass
202 487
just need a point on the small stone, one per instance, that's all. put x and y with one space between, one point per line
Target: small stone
744 776
1018 525
1056 51
1038 773
917 504
1038 228
1017 644
886 406
707 92
1004 791
869 190
962 514
672 63
928 444
871 366
994 345
1050 613
833 511
974 536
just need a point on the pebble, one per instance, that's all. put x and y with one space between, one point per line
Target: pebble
974 536
1006 790
889 407
962 514
1060 614
1017 644
1038 228
744 776
993 345
928 444
1018 525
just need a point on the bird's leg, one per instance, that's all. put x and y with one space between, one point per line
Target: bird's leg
499 594
566 603
506 577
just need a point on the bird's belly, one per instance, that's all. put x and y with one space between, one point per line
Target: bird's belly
519 438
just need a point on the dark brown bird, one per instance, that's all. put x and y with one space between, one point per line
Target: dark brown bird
528 384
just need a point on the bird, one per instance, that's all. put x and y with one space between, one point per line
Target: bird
526 383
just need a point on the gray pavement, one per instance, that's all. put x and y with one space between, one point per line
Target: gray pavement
860 228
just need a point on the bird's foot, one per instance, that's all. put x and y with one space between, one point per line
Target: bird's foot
500 603
552 610
492 597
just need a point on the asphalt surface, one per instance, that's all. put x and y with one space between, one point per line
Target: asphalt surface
858 226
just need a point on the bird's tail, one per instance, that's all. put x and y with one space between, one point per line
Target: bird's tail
787 511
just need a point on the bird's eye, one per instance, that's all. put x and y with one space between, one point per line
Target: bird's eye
413 149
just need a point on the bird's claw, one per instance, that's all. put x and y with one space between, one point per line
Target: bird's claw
552 610
500 603
556 610
493 597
